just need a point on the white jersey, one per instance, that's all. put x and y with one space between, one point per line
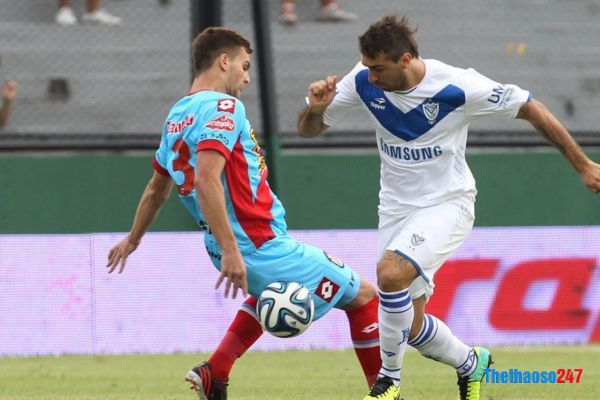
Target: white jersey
422 132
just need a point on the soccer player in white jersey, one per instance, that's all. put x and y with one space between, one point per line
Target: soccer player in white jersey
422 110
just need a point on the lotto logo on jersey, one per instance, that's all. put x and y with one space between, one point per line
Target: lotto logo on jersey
227 105
327 290
221 123
179 126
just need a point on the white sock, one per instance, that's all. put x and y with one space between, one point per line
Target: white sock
395 318
436 341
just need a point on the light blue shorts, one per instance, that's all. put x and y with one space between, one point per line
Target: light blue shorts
332 283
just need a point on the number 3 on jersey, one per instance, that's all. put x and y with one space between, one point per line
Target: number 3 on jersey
182 164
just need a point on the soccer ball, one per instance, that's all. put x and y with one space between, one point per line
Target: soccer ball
285 309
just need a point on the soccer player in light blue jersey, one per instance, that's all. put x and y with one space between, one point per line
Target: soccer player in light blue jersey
209 152
421 109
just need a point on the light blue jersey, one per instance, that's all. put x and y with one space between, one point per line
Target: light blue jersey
215 121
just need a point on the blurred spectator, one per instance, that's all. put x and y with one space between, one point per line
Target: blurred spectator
330 11
94 14
9 92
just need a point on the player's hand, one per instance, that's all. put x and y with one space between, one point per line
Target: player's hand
9 90
119 253
233 271
591 177
321 94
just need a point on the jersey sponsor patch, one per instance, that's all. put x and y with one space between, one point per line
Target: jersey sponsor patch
221 123
227 105
409 153
501 96
334 259
179 126
327 290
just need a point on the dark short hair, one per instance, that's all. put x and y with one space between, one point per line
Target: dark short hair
392 35
212 42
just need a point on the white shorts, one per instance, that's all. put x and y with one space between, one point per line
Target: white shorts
426 238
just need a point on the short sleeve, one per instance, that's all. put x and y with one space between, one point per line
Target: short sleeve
345 100
160 159
486 97
221 126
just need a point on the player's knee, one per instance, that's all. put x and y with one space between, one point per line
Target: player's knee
366 293
394 272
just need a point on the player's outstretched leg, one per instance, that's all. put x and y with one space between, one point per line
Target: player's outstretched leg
365 337
209 379
202 381
435 341
469 387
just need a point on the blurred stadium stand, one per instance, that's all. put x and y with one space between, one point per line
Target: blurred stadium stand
120 79
100 86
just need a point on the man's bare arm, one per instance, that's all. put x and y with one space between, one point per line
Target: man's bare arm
320 95
310 124
550 127
155 195
211 197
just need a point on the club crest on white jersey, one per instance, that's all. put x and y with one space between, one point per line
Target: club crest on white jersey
431 110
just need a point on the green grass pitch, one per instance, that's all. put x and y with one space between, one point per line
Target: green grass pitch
319 375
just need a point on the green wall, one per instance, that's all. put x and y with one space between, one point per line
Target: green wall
83 193
98 193
515 189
